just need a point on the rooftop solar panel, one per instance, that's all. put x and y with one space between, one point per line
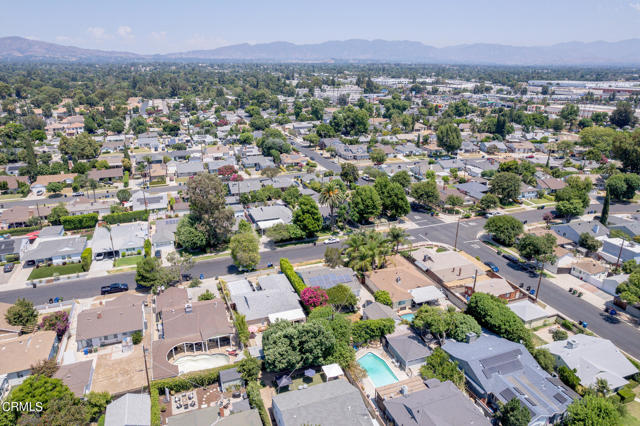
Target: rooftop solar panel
560 398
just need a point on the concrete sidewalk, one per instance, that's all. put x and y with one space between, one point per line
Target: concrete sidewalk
590 293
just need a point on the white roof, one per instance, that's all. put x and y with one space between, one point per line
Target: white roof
129 409
528 311
292 315
426 294
266 224
332 370
593 358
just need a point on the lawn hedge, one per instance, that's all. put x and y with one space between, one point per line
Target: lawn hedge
626 395
21 231
81 221
294 279
125 217
49 271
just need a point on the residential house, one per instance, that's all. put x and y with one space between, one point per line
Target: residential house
498 370
629 227
83 205
498 287
165 233
113 160
20 353
43 180
550 184
12 247
214 165
408 149
243 187
18 216
335 403
446 192
349 152
493 146
593 358
189 169
572 230
375 310
259 162
402 280
612 248
78 376
475 190
610 284
469 147
56 250
272 299
230 379
407 348
106 175
448 268
293 159
531 314
112 323
131 409
326 278
13 169
123 239
158 172
13 182
414 402
265 217
527 192
142 200
590 271
524 147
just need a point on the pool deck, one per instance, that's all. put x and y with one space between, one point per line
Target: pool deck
367 384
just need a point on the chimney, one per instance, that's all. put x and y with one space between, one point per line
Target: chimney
471 337
459 271
187 308
572 344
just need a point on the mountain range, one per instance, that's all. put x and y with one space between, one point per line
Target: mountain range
625 52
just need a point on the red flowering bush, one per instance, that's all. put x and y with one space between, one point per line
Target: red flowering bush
226 170
314 297
57 321
236 178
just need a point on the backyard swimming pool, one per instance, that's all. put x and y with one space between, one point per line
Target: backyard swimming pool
377 370
190 363
408 317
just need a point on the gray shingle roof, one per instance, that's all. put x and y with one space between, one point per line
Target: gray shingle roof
65 246
333 403
377 310
129 409
276 296
409 347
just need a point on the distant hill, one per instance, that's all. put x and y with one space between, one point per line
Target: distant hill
626 52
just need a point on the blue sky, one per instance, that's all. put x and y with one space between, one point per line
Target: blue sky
163 26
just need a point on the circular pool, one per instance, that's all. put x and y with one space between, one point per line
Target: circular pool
190 363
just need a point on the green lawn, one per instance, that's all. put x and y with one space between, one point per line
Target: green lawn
48 271
310 381
128 261
633 414
539 201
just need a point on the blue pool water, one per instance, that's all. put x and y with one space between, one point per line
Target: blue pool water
377 370
408 317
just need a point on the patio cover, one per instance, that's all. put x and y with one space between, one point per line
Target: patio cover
292 315
284 381
332 370
426 294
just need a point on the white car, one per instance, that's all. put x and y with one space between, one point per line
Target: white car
332 240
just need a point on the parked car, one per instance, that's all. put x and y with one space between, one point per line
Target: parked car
511 258
332 240
158 254
493 266
8 267
114 288
187 277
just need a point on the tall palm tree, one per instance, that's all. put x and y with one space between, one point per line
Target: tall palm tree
93 184
378 248
331 195
397 236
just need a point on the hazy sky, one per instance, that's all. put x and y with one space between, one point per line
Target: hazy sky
162 26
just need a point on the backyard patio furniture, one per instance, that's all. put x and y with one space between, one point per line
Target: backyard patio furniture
309 372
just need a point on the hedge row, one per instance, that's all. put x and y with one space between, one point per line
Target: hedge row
21 231
294 279
626 395
156 418
81 221
126 217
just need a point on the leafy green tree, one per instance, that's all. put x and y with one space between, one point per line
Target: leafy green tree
449 137
488 202
397 236
366 331
545 359
341 296
625 147
568 377
365 204
623 186
307 216
97 404
290 346
506 186
333 257
623 115
123 195
245 250
291 196
439 366
57 213
589 242
349 173
149 273
402 178
188 237
443 324
504 229
570 209
377 156
629 291
209 213
513 413
55 187
21 313
593 410
533 246
40 389
426 192
67 410
249 368
559 334
382 296
45 367
366 250
393 198
240 323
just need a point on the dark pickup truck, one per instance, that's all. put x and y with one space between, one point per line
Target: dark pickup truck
114 288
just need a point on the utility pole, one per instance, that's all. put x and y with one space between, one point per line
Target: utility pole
455 244
146 369
475 278
620 253
539 280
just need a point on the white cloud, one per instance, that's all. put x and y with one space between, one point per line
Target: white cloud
635 6
124 32
160 35
98 33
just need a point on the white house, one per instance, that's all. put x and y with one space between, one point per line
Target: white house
590 271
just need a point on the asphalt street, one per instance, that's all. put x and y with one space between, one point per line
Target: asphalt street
430 229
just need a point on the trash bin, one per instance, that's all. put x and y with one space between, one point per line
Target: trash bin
34 285
86 351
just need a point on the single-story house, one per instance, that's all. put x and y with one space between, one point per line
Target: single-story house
78 376
531 314
326 278
572 230
527 192
189 169
165 233
447 267
408 349
610 284
123 238
550 184
265 217
19 353
593 358
12 247
611 249
55 250
590 271
111 323
106 175
376 310
493 146
13 182
131 409
498 287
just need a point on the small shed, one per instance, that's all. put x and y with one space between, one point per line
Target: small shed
332 371
230 378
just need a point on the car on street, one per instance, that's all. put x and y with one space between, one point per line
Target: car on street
332 240
8 267
114 288
492 214
511 258
493 266
158 254
187 277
